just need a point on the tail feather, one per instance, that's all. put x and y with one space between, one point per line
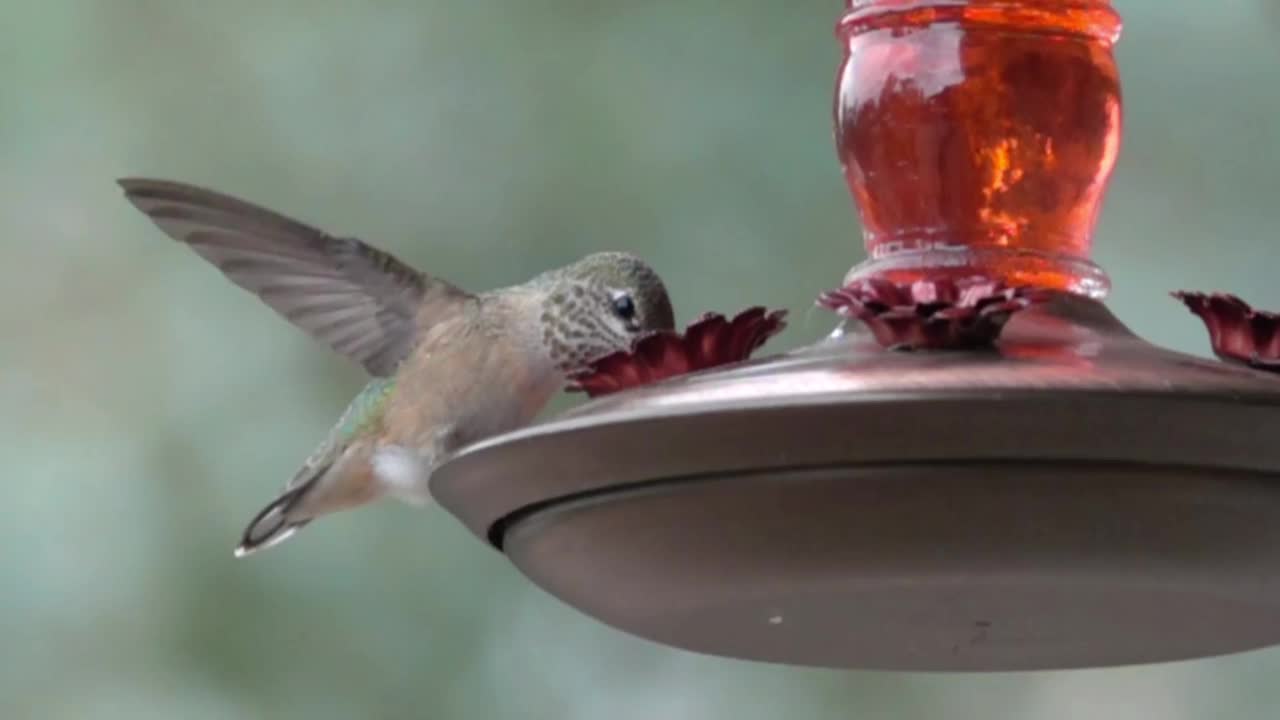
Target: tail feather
271 526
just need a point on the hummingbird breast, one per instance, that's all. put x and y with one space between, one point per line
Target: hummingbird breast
474 376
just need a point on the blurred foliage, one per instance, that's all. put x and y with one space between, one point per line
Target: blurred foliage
149 407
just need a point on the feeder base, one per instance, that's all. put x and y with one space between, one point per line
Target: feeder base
1075 498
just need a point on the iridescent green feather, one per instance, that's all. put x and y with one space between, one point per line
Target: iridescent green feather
361 416
365 411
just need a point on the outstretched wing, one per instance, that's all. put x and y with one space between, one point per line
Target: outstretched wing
361 301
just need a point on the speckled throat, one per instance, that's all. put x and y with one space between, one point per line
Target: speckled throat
575 329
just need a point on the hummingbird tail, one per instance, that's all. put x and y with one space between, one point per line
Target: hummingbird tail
271 526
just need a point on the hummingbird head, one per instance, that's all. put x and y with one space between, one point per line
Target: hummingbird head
599 305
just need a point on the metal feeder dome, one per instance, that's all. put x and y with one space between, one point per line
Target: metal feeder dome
1073 497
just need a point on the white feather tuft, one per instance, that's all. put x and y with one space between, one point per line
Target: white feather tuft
403 473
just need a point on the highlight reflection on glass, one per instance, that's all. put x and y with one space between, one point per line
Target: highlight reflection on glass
971 144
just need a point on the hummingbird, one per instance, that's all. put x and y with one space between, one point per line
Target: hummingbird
449 367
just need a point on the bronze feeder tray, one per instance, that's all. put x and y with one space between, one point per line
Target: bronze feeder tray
1071 497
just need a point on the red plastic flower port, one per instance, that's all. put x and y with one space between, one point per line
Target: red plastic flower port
709 342
1237 331
932 314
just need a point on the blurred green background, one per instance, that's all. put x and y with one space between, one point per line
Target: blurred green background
148 407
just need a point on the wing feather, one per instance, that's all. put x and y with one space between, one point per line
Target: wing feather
364 303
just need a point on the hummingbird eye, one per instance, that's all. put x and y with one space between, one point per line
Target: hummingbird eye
624 307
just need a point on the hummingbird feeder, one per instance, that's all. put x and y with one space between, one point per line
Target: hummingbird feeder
1030 486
